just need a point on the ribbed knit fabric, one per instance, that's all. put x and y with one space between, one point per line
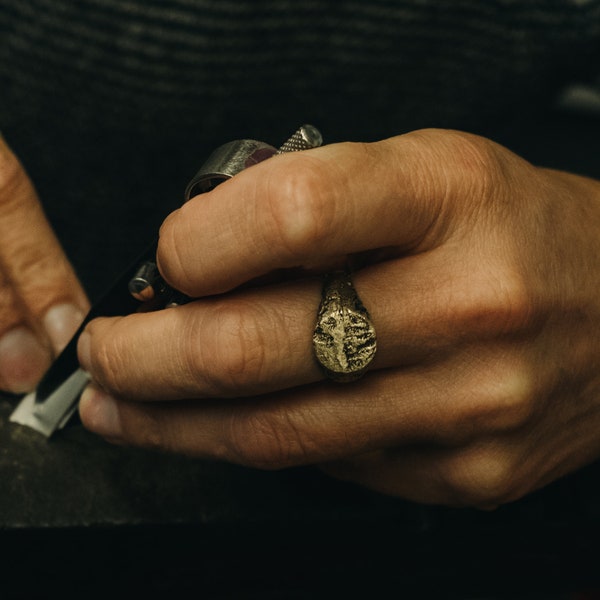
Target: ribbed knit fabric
112 104
394 62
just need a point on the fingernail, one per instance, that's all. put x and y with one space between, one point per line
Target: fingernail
99 412
61 322
23 360
84 351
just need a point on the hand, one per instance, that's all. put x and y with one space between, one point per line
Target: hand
41 301
480 272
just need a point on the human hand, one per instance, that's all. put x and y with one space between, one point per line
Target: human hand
41 301
480 273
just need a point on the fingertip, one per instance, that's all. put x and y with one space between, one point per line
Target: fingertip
23 360
61 321
99 413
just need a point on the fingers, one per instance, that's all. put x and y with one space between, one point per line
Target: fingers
450 403
342 432
305 208
41 301
301 426
260 340
240 345
247 343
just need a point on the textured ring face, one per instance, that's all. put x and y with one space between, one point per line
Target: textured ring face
344 339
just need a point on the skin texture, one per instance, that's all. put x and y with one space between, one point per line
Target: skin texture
41 301
480 274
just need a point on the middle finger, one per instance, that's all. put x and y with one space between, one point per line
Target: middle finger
260 340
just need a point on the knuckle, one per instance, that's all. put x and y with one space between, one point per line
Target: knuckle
232 357
512 397
477 157
499 301
503 402
513 299
39 272
266 439
298 209
516 307
460 172
473 149
508 407
484 476
475 160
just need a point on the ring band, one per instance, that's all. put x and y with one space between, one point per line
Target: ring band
344 339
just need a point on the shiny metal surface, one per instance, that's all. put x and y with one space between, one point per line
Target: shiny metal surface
225 162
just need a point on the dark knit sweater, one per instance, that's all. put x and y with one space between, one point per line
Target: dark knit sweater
113 104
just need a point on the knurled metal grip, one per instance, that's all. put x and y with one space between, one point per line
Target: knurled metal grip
232 158
304 138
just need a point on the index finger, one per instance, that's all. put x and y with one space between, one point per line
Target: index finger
307 207
32 260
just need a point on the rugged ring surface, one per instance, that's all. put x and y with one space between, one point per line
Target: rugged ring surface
344 338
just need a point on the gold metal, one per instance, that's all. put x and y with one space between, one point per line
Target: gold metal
344 339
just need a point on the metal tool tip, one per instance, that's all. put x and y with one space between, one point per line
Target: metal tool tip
305 137
52 414
141 290
311 135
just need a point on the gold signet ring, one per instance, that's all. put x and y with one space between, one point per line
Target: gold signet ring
344 339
